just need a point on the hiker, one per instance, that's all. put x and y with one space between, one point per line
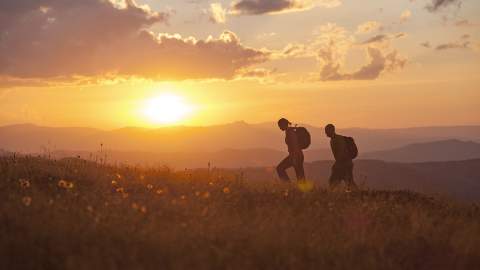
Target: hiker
344 150
295 154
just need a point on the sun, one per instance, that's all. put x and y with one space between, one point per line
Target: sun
167 108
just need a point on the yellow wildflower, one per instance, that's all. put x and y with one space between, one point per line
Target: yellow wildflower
135 206
27 200
65 184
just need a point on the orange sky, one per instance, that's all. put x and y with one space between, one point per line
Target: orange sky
370 65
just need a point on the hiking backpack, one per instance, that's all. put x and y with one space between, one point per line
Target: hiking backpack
351 147
303 136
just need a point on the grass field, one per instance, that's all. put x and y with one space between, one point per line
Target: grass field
74 214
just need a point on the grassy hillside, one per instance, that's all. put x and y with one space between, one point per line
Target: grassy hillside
74 214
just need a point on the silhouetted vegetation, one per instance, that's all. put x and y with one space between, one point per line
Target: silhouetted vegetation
75 214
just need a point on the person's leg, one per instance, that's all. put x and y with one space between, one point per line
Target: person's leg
282 168
298 166
335 176
349 176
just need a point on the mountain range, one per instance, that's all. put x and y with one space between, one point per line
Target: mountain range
235 145
433 151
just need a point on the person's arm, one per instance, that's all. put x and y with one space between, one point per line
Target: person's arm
335 149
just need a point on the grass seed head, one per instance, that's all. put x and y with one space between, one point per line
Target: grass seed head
24 183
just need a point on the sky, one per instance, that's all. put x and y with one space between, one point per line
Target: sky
116 63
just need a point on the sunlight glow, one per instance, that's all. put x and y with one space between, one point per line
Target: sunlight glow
166 109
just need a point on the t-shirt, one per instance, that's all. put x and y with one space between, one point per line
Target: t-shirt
291 140
339 148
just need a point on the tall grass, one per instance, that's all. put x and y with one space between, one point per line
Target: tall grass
75 214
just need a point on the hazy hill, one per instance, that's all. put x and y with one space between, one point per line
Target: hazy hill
460 179
31 138
432 151
448 150
227 158
239 135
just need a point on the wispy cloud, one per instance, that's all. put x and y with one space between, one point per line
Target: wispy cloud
368 27
453 45
463 42
405 16
383 38
258 7
333 43
217 14
436 5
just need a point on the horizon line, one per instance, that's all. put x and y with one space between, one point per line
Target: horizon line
230 123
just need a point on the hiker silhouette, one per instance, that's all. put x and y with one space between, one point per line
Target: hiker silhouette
295 154
344 150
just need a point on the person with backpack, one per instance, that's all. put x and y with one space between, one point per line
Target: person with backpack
297 139
344 150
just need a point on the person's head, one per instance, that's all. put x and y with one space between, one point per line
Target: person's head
330 130
283 124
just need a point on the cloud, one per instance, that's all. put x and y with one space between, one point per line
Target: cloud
257 7
331 47
260 74
335 42
437 5
375 39
295 50
379 62
462 43
383 38
426 44
464 23
266 35
453 45
368 27
217 14
51 39
405 16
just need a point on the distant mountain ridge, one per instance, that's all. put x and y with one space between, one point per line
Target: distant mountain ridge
449 150
238 135
227 158
446 150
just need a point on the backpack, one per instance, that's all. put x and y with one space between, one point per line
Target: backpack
351 147
303 136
